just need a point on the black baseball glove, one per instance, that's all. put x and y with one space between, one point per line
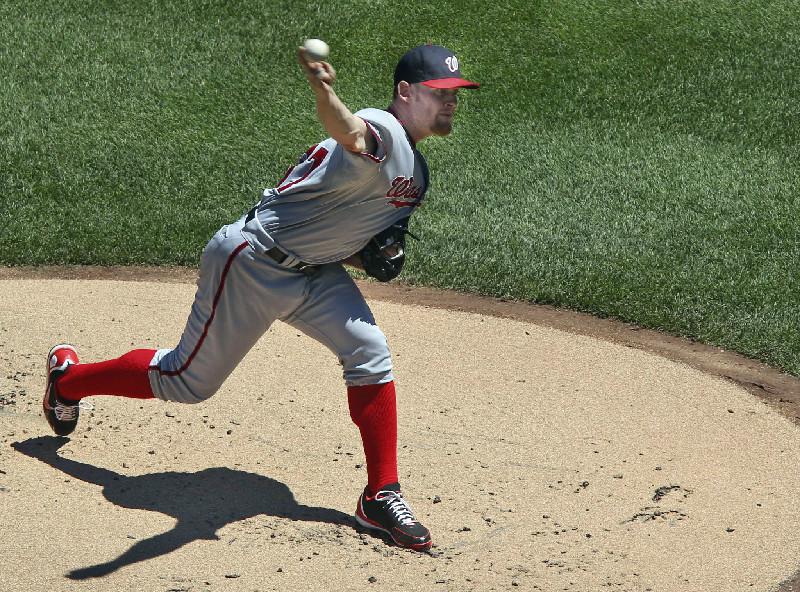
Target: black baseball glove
385 253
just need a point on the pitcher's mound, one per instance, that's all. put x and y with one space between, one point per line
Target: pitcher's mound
539 459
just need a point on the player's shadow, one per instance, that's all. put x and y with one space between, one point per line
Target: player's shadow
201 502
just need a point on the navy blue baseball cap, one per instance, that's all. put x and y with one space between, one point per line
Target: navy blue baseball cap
432 65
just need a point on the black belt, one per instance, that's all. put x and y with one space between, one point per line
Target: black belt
278 255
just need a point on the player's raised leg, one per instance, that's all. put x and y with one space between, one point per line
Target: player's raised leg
219 332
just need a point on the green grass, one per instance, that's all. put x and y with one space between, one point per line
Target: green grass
637 160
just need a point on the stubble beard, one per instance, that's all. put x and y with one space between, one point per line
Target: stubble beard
442 126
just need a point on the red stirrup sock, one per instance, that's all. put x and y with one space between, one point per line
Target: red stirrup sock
124 377
373 408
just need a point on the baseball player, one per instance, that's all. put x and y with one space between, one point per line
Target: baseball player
346 201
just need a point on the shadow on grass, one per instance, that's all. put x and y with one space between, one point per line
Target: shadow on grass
201 502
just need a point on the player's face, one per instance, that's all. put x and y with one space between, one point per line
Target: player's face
438 106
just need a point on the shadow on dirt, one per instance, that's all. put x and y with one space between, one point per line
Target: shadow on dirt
201 502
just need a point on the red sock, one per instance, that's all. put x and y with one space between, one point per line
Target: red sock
373 408
124 377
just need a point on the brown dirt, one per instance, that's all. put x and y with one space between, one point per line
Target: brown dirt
546 449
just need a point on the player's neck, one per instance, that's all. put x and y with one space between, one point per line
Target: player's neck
413 132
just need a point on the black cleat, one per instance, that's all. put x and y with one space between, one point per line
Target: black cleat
60 414
388 512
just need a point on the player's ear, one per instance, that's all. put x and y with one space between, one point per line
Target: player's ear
403 90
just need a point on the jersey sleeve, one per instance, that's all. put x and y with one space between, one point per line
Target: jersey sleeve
384 128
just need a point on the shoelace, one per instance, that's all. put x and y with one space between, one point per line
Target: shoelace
70 412
397 506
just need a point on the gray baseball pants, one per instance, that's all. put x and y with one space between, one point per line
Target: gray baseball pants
240 293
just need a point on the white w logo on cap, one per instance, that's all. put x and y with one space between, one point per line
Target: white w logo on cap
452 63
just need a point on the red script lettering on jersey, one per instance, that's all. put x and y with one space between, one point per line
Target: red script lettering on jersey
313 158
404 192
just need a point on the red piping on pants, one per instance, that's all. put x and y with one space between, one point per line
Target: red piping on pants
217 296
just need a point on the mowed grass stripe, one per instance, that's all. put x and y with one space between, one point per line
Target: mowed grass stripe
634 160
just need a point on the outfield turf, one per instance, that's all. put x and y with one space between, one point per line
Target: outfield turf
631 159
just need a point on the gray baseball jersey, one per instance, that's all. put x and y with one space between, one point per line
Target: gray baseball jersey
333 201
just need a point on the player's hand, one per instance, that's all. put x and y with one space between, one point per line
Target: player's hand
318 73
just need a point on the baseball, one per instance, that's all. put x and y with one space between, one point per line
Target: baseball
316 49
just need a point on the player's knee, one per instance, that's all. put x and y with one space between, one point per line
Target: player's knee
183 393
370 362
171 384
199 394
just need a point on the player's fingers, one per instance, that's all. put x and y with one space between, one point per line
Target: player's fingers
327 73
303 60
316 72
308 65
311 68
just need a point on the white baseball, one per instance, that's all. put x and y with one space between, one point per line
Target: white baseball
316 49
